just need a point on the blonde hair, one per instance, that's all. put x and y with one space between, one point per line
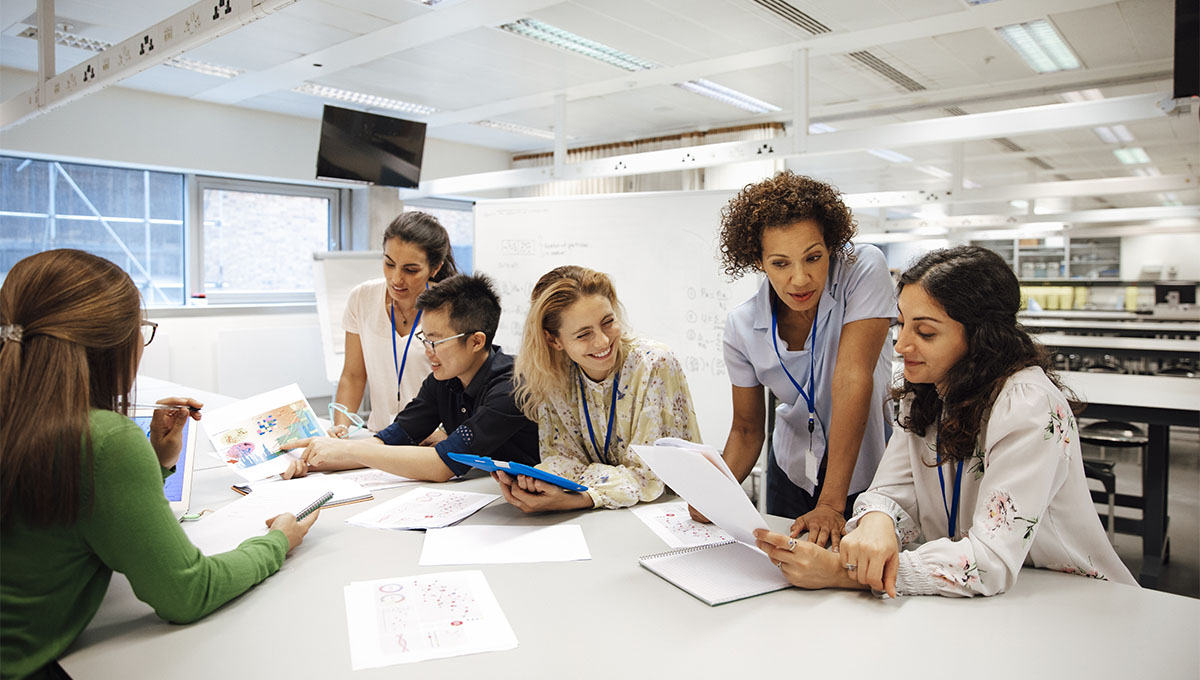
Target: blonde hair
540 370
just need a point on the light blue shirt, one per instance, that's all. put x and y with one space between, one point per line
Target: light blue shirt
854 291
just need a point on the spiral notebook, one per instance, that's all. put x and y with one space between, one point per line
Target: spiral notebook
718 572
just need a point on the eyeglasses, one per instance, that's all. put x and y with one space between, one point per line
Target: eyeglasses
431 345
149 328
355 419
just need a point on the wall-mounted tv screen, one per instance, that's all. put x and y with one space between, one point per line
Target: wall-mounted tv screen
366 147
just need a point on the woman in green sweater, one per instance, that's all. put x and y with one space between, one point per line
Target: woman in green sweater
81 486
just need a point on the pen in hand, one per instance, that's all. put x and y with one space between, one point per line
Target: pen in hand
167 407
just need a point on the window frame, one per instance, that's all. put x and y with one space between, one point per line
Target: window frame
194 209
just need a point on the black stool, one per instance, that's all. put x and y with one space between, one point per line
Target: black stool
1102 471
1106 433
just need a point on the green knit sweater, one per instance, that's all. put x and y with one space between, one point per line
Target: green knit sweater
52 580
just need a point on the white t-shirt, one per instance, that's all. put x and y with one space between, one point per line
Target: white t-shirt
853 292
367 316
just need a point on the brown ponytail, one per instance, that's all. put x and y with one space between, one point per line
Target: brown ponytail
73 321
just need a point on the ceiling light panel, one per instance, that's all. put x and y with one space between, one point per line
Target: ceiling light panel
553 35
1134 155
1040 46
889 155
724 94
361 98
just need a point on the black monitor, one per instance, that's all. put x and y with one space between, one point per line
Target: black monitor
366 147
1175 292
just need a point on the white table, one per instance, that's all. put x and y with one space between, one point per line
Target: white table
1116 343
609 618
1160 402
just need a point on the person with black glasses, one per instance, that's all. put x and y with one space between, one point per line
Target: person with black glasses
469 393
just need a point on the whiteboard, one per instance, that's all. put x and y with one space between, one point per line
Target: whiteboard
335 274
660 250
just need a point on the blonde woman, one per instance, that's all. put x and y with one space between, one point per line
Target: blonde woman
593 391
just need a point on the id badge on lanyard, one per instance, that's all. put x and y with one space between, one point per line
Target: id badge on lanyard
812 463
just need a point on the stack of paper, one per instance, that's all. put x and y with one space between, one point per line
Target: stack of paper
423 508
376 480
246 517
344 490
672 523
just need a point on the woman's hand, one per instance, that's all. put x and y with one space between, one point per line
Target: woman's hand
338 431
166 428
293 529
534 495
434 437
825 524
697 516
874 552
804 564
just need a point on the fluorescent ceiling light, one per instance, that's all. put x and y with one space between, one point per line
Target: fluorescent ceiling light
1019 204
369 100
724 94
819 128
970 183
1040 46
516 129
1122 133
1170 198
933 171
1088 95
1106 134
1148 171
553 35
889 155
1131 156
83 43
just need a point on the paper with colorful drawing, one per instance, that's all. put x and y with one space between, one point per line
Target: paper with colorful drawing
423 508
416 618
672 523
248 435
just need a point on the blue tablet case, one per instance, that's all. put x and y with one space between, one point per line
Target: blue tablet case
485 463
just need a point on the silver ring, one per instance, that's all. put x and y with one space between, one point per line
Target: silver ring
851 567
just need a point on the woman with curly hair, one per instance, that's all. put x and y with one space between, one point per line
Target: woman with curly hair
814 335
986 427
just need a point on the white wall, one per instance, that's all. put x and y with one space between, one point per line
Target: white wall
136 127
1164 250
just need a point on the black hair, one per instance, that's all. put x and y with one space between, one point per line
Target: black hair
424 231
472 301
978 289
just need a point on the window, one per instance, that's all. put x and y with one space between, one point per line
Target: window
131 217
258 238
458 217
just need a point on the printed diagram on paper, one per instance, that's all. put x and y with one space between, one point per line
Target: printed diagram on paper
672 523
248 435
405 619
423 508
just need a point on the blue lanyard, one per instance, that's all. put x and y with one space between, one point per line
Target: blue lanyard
812 368
952 509
612 411
411 332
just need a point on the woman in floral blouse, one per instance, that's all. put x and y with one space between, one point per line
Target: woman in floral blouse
986 475
593 391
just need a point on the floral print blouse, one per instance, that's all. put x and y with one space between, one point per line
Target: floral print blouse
653 401
1024 500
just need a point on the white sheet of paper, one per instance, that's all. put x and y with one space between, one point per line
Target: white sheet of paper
672 523
485 544
376 480
416 618
246 517
423 508
706 488
344 490
247 435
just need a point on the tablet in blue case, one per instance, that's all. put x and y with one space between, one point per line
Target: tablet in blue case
485 463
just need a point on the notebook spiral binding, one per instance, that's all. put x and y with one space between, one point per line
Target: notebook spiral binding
684 551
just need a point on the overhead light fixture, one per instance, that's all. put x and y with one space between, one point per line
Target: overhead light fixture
889 155
1122 133
970 183
1114 134
564 39
553 35
1088 95
516 129
933 171
370 100
819 128
83 43
1170 198
1134 155
1019 204
1148 171
1040 46
724 94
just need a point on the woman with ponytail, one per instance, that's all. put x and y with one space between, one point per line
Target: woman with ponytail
81 485
986 475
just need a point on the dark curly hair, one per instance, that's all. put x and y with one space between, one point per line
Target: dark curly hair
779 201
977 288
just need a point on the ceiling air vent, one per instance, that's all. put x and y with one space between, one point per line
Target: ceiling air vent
793 16
886 70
